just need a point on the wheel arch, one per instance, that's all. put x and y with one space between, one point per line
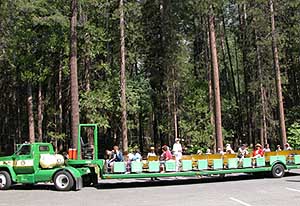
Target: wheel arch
278 162
75 175
10 171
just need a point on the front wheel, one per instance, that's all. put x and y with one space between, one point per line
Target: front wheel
278 171
5 180
63 181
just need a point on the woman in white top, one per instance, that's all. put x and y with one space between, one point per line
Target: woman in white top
177 151
151 153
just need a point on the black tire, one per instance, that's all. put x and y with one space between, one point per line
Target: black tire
5 180
63 181
278 171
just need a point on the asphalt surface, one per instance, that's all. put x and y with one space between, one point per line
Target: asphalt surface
233 190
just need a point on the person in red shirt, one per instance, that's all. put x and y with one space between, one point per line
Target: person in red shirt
165 156
258 152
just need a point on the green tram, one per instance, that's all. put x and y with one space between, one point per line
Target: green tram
274 163
37 162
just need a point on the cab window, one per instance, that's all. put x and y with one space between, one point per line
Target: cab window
43 148
24 150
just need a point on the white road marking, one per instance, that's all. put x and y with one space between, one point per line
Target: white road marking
291 189
239 201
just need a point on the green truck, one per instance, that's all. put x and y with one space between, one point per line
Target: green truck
37 162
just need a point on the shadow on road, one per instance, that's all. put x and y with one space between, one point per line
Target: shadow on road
49 187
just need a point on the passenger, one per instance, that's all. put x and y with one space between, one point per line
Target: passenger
220 151
287 147
165 156
208 151
267 148
127 161
109 160
136 155
118 154
177 151
258 152
278 148
242 153
229 150
151 153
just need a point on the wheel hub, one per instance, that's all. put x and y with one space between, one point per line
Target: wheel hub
2 180
278 171
62 181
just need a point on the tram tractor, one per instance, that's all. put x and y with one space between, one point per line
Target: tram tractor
37 162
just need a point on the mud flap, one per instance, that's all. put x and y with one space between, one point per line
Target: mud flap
78 184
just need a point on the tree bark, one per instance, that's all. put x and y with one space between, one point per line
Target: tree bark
210 91
123 78
60 108
30 114
278 76
216 86
40 114
73 73
263 124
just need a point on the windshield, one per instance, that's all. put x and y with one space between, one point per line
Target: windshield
24 150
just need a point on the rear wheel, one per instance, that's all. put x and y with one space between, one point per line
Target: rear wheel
63 181
5 180
278 171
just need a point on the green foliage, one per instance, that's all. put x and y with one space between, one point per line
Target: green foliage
294 135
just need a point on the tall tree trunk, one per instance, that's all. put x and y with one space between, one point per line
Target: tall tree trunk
174 105
30 114
278 77
73 73
217 98
123 79
40 113
60 108
263 124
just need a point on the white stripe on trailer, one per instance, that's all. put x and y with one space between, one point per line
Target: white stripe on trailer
291 189
239 201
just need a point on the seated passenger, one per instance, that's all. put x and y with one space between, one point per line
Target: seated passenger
267 148
117 156
165 156
287 147
208 151
109 160
220 151
228 149
136 155
151 153
242 152
278 148
258 152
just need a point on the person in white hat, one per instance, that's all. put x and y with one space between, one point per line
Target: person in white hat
177 151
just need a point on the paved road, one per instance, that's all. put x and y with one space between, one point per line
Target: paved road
233 190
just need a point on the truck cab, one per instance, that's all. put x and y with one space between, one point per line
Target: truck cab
37 162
